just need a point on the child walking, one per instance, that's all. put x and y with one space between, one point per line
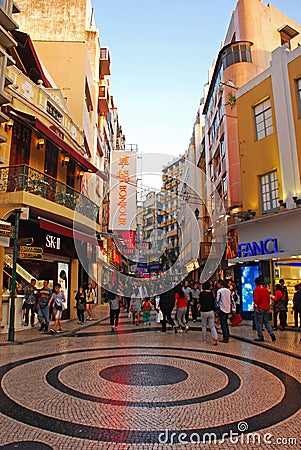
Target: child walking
146 307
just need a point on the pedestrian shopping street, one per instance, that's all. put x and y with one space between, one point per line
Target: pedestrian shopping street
89 388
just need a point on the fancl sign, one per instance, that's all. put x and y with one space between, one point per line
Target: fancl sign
265 247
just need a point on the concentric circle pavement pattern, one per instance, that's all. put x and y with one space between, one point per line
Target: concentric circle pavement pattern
144 374
141 389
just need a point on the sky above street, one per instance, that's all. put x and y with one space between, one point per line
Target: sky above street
160 54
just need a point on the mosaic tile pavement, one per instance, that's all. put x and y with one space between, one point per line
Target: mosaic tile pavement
139 388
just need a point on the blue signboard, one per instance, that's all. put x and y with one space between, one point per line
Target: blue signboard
265 247
155 267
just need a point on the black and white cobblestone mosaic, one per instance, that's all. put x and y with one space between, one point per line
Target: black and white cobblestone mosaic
130 394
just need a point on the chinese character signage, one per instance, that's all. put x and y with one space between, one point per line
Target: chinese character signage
123 191
125 241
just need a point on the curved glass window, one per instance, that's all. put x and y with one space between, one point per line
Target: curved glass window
235 54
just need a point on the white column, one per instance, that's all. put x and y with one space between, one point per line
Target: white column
290 174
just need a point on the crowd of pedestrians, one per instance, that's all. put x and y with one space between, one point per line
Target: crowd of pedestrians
50 304
213 303
176 306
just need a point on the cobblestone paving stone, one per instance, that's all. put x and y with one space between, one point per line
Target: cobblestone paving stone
90 388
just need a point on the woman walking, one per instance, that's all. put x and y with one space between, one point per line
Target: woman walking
80 299
297 306
166 305
195 295
90 299
135 306
181 306
114 309
279 307
207 312
58 299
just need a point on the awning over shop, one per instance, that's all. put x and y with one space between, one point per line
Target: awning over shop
57 228
25 54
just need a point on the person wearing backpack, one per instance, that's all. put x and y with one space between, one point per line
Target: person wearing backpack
43 308
31 295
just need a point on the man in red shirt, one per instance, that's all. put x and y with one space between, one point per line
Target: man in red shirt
261 310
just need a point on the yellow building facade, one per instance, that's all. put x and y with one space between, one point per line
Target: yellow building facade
269 132
269 124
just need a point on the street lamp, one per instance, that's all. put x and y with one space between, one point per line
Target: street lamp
228 83
231 101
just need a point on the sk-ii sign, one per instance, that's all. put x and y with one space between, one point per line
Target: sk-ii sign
53 242
264 247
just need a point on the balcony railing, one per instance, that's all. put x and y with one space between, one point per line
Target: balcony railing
24 178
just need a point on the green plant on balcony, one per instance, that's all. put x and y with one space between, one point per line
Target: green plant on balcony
231 101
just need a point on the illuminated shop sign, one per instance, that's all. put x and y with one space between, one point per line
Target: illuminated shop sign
53 242
265 247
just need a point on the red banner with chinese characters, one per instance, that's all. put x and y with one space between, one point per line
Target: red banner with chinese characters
123 191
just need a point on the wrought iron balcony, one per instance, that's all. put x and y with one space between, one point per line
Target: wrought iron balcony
26 179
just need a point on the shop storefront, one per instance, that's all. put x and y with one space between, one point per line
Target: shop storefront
58 260
269 247
53 263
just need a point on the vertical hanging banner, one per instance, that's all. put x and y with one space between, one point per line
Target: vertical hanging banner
123 190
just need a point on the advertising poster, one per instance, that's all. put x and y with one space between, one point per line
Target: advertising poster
63 277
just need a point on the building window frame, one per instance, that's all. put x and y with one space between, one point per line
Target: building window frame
269 192
263 119
225 183
88 98
222 148
7 6
299 95
236 53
